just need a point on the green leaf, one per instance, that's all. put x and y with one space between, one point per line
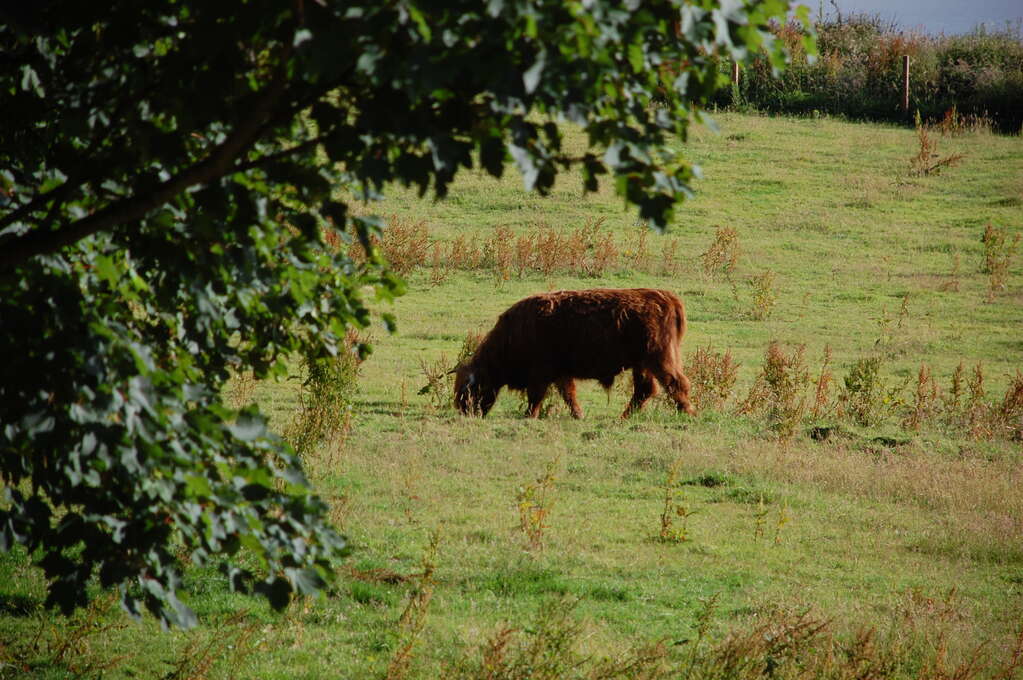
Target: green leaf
637 57
306 581
532 75
249 426
30 81
420 20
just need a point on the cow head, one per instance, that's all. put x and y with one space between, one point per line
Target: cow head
474 393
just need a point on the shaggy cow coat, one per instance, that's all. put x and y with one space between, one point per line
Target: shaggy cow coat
557 338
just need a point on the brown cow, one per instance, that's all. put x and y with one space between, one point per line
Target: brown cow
595 334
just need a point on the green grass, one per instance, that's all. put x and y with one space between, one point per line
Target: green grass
919 536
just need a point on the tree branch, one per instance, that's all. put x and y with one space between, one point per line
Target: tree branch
270 158
20 248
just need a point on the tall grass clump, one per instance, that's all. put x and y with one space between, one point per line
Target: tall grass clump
328 388
927 160
722 255
534 502
405 244
1010 411
999 251
822 387
712 376
588 251
865 392
499 253
925 400
779 390
763 296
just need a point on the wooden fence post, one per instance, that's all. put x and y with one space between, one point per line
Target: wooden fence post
735 73
905 83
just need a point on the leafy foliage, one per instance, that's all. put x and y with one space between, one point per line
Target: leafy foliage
974 78
166 176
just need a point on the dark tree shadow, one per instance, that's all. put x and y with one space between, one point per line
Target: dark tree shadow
18 605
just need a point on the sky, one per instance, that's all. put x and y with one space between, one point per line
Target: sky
930 16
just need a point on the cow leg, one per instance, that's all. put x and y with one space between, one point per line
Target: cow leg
535 394
676 384
566 387
643 387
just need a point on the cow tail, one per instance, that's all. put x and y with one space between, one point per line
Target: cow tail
680 320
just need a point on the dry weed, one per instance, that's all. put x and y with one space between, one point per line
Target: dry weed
226 644
722 256
404 244
1010 412
952 401
523 253
786 378
534 502
605 255
763 295
76 645
925 401
670 264
499 253
954 124
712 376
326 398
779 390
783 641
638 255
822 389
927 160
978 411
439 270
439 374
999 250
332 238
242 387
465 253
865 391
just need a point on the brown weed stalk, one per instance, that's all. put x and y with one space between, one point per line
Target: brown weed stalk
712 376
763 295
999 251
927 160
534 502
722 256
822 388
925 399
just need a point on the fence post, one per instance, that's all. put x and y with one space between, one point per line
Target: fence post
735 73
905 83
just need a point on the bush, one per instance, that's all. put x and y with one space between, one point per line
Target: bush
859 74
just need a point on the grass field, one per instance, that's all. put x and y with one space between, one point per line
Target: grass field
729 545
